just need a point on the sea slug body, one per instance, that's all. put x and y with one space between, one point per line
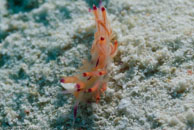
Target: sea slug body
91 82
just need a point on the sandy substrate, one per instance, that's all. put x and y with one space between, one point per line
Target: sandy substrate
151 82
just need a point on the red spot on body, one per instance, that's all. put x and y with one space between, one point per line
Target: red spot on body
94 7
103 9
62 80
102 38
78 86
89 90
84 74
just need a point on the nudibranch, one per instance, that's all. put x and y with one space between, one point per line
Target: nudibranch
91 82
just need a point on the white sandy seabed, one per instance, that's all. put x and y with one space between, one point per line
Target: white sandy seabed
151 82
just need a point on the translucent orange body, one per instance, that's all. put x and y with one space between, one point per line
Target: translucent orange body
92 80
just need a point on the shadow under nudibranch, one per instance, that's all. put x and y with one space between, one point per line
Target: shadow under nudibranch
84 119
